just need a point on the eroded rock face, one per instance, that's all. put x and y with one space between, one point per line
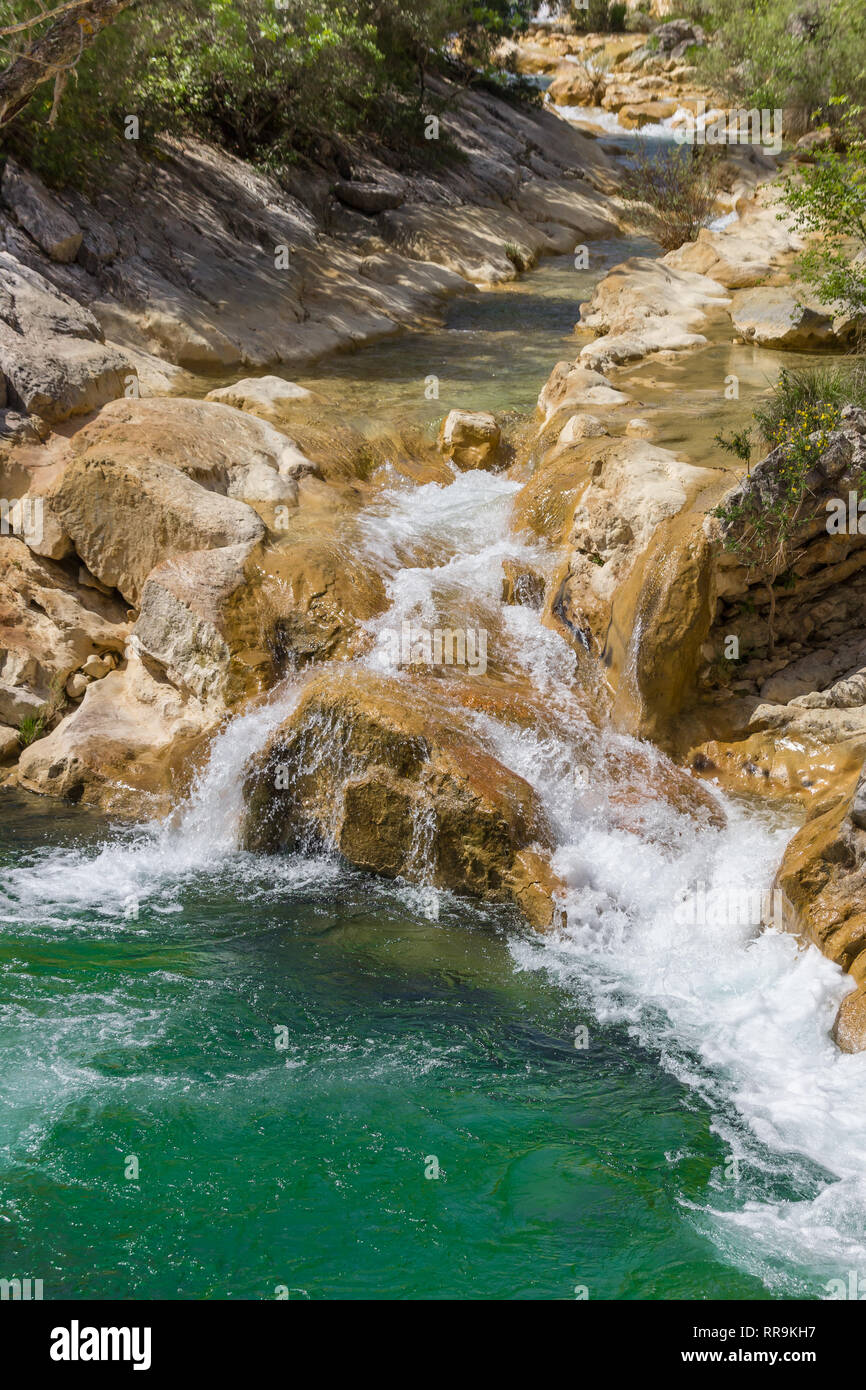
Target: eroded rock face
39 214
198 613
646 306
50 624
123 747
224 449
823 877
399 787
52 354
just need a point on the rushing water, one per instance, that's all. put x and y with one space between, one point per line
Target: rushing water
225 1075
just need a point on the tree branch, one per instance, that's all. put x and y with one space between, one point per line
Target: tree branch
55 52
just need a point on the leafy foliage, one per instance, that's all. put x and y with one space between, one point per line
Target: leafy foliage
829 197
796 55
762 521
269 79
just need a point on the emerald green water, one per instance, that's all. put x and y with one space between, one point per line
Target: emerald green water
709 1141
306 1167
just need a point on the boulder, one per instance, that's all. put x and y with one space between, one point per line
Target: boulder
316 593
849 1027
121 747
368 197
39 214
10 746
198 611
778 317
125 515
398 785
471 439
225 450
51 354
269 397
580 427
48 538
574 85
635 115
76 685
17 703
570 385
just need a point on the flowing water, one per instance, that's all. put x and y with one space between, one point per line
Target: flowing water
233 1076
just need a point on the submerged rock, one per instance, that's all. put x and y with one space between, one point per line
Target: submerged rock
398 785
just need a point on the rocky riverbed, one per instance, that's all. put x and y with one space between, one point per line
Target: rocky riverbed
189 528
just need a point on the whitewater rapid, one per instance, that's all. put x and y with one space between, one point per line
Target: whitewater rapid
740 1015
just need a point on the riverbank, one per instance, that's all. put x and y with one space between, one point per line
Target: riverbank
378 823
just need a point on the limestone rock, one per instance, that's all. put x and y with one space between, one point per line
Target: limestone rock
570 385
51 353
573 85
225 450
126 515
399 786
580 427
39 214
270 397
778 318
316 593
645 306
121 746
76 685
368 197
9 744
17 703
635 115
849 1028
49 624
470 438
197 612
48 539
96 667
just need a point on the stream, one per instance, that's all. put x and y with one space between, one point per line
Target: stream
342 1087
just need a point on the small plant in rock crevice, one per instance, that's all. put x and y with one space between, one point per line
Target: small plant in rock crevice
762 521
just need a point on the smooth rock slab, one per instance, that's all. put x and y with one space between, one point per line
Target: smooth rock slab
39 214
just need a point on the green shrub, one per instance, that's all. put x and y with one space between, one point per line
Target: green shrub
672 192
30 729
829 198
812 395
761 522
268 82
785 54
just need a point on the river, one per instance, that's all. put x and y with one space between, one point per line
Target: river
231 1076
